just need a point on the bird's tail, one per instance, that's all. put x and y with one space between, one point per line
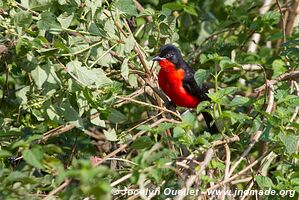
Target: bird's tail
209 119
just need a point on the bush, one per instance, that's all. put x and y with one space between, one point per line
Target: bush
82 115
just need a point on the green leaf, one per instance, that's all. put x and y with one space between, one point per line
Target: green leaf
101 80
142 143
116 117
264 181
289 141
23 18
65 20
178 132
93 5
22 95
111 135
201 75
271 17
125 69
39 76
295 181
129 43
33 157
133 80
279 67
48 52
4 154
266 163
239 101
98 122
227 63
127 7
40 5
147 12
48 20
54 115
188 117
208 57
173 6
220 94
23 46
89 77
202 105
71 115
191 10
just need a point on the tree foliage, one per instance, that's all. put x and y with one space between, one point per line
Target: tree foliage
81 113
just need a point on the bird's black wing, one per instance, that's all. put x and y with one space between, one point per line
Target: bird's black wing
200 92
191 86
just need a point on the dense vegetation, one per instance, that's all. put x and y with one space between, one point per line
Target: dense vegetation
81 112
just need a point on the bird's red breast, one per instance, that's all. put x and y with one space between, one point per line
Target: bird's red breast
171 82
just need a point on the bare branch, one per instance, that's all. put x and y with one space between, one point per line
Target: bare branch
258 134
255 38
283 22
58 189
226 141
283 77
292 18
250 166
190 181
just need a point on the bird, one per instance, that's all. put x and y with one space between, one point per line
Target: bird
176 79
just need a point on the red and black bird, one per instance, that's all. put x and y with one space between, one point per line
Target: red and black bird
176 79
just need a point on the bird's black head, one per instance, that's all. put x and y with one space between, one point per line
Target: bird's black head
169 52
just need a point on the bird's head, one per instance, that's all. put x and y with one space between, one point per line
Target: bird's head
170 53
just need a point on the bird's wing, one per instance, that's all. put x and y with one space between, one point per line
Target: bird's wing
191 86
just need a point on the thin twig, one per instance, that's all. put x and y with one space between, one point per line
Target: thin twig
258 134
4 87
150 105
122 179
283 77
102 56
58 189
248 167
191 179
124 146
249 67
283 21
292 18
243 180
297 107
226 141
255 38
227 161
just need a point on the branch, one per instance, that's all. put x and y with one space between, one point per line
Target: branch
140 133
283 77
258 134
226 141
250 166
58 189
282 18
140 8
150 105
293 18
249 67
297 107
61 129
255 38
190 181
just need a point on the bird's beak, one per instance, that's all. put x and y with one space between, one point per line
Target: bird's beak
157 58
